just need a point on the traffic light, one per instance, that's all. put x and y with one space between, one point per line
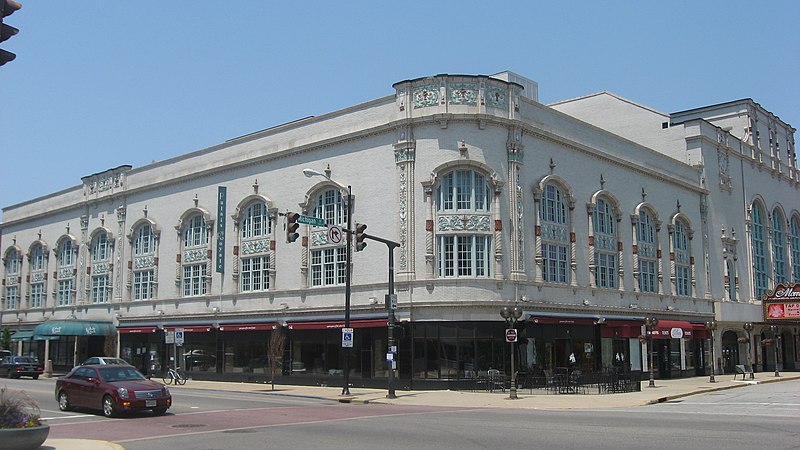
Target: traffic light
292 226
360 235
7 7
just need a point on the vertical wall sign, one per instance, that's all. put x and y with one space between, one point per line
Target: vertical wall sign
222 193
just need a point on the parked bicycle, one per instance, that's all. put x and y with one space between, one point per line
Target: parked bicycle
174 376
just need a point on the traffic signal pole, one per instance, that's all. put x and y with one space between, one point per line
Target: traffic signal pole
391 305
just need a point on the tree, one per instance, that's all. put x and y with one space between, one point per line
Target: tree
5 339
110 345
275 347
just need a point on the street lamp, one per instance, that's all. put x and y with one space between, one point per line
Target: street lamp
749 328
711 326
651 323
511 314
774 329
345 189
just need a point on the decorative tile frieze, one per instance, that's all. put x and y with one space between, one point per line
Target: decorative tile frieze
464 223
319 238
647 250
463 94
194 255
65 272
554 232
144 262
605 242
404 155
257 246
496 97
427 95
37 277
12 281
101 268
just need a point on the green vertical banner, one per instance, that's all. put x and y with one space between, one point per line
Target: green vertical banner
222 195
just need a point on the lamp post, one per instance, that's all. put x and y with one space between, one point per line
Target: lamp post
511 314
774 329
651 323
711 326
749 328
345 189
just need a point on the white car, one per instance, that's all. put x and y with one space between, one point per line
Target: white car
105 360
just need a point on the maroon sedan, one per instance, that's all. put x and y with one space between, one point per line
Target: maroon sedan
112 389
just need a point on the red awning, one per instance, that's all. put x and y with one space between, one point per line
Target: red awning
190 328
621 328
247 327
370 323
673 329
562 320
137 330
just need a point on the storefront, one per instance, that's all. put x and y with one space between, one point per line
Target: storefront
679 349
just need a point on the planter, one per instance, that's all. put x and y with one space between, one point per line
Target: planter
24 438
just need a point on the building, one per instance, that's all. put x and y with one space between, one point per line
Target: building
590 215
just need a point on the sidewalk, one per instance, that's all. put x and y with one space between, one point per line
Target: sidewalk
664 390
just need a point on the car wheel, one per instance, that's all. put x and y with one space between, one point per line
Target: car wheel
159 411
36 377
63 401
109 410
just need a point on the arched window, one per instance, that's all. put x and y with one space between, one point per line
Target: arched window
463 240
144 262
101 268
195 256
36 287
255 232
66 272
683 269
328 261
759 246
779 246
555 236
796 249
648 252
12 261
605 245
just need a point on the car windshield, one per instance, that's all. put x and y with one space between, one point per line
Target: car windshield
112 374
115 361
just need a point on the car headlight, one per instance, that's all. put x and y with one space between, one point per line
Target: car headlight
123 392
166 391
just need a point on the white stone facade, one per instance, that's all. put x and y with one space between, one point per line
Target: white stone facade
701 168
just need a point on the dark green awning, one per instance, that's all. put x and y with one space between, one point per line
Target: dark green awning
73 328
22 336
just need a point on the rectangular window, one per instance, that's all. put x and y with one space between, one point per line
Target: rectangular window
554 263
143 285
328 267
682 277
463 189
647 275
64 294
194 280
606 270
100 289
467 253
254 274
37 295
12 297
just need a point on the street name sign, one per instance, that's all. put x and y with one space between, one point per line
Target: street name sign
308 220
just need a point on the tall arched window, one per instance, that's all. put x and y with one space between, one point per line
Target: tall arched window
796 249
759 246
555 235
195 256
65 286
328 260
683 269
12 260
605 245
144 262
255 232
36 289
463 239
779 246
101 268
647 249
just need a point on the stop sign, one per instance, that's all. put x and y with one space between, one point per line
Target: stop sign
511 335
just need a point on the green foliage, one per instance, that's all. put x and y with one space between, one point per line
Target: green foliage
5 339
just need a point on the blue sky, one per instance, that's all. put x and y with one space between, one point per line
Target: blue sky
99 84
